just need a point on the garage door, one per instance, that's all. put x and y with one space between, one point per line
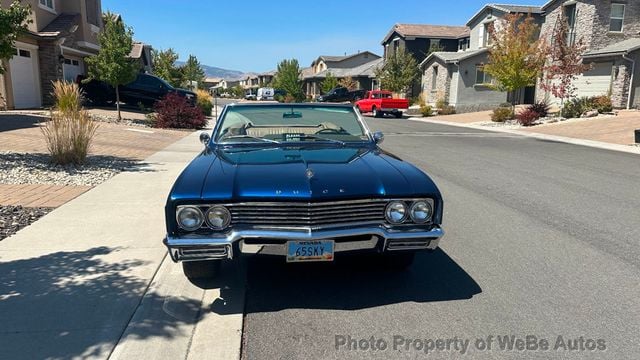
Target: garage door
596 81
72 67
24 77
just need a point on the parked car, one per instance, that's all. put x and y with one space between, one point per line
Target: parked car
380 102
265 94
341 94
147 89
96 93
307 182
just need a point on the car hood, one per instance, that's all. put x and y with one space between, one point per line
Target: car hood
299 173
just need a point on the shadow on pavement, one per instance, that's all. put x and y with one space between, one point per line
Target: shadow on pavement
40 161
352 282
75 304
9 122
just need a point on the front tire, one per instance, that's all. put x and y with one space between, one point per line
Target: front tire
375 112
398 115
198 270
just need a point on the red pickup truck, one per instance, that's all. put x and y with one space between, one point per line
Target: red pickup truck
380 102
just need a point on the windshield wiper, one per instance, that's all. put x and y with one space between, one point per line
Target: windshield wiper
251 137
316 137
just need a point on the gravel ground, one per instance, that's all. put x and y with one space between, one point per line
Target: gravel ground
25 168
124 121
513 124
14 218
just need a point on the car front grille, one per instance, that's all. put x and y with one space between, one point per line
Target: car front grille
316 214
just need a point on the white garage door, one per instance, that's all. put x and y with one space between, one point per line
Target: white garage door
596 81
25 77
71 68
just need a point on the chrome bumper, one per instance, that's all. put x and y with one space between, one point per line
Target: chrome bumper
222 246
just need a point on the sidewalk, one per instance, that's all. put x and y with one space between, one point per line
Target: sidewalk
71 283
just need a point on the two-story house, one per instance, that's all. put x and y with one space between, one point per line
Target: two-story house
457 78
610 30
359 67
62 33
420 40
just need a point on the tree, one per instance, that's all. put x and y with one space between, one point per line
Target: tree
329 83
165 66
399 72
517 54
564 63
192 71
13 21
287 78
349 83
112 64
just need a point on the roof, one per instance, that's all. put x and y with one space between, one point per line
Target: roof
63 23
548 4
364 70
213 80
428 31
620 48
332 58
508 8
452 57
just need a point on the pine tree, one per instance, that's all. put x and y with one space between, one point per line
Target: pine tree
192 72
287 78
329 83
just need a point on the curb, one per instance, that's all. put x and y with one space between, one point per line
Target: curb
563 139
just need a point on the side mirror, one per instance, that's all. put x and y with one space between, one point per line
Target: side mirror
378 137
204 137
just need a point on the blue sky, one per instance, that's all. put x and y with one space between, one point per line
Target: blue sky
250 35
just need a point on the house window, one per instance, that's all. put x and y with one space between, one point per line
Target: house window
617 17
25 53
481 76
93 12
434 78
463 44
570 14
487 41
47 3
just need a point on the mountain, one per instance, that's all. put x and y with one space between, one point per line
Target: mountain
212 71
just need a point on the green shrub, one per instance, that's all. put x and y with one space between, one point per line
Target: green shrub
602 103
502 114
70 131
426 110
506 105
440 103
574 108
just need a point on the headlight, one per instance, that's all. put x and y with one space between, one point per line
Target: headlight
218 217
396 212
189 218
420 212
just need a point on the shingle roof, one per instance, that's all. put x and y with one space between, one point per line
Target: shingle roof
451 56
332 58
620 48
62 23
508 8
364 70
136 51
430 31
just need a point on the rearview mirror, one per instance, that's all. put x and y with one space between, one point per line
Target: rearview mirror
204 137
378 137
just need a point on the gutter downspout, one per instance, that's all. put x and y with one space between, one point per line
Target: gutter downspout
633 71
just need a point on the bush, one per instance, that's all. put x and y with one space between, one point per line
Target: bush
174 111
527 117
542 108
204 100
447 110
426 110
502 114
602 103
440 103
506 105
69 132
574 108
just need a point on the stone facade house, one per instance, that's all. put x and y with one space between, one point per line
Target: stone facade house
458 79
62 33
359 66
420 39
143 54
610 30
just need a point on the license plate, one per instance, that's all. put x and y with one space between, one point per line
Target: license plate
316 250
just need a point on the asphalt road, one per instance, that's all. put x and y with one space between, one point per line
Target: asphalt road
542 240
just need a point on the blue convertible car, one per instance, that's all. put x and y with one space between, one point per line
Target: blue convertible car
307 182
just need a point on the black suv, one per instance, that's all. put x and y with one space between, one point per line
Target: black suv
145 89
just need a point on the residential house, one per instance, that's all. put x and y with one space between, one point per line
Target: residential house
61 35
227 84
250 83
421 39
610 30
359 66
266 78
458 79
143 53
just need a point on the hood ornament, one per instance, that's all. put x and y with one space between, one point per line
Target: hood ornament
309 173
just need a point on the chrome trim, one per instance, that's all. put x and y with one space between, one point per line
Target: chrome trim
281 249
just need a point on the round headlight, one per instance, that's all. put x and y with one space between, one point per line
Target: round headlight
396 212
218 217
420 212
190 218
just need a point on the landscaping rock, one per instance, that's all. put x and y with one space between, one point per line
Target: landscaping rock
590 113
14 218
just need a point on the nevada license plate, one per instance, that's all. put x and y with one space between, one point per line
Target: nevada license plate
316 250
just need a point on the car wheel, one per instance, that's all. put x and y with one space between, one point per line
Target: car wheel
375 112
196 270
398 261
398 115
